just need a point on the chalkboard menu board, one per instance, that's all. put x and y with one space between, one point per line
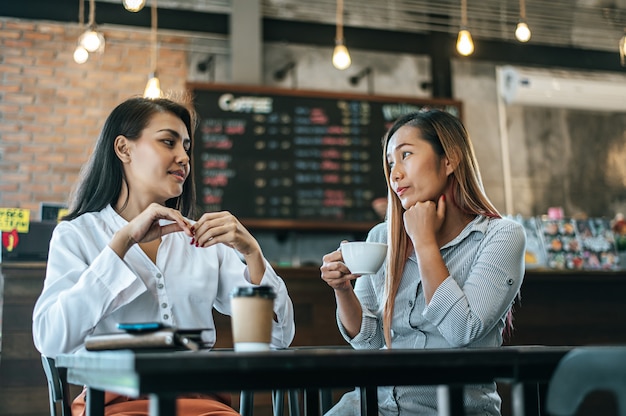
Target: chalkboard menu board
294 159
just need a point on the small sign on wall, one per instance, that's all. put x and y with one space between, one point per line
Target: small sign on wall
13 221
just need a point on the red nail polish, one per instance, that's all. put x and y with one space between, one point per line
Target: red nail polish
193 240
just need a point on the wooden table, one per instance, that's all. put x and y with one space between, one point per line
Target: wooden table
164 375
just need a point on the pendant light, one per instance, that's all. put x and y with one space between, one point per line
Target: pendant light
91 39
464 42
341 56
133 5
522 31
80 53
153 87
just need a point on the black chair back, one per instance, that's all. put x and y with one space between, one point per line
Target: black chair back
58 389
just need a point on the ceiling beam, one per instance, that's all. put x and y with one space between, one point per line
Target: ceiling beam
513 53
276 30
112 13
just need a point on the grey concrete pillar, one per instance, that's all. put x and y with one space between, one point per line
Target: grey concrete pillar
246 42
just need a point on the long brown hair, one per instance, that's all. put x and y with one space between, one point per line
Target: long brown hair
448 137
102 177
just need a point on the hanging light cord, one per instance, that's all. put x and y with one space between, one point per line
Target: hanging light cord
81 13
92 13
339 20
622 49
522 10
153 36
464 13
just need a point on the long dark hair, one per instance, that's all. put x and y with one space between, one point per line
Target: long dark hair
102 177
448 137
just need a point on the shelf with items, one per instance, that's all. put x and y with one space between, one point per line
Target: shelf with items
570 244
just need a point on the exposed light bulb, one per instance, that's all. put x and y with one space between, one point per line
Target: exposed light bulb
522 32
133 5
80 55
341 56
464 43
92 41
153 87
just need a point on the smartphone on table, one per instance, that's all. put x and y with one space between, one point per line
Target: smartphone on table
139 327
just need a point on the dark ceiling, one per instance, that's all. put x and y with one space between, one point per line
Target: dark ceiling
440 46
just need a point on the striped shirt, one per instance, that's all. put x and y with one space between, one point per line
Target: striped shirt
468 309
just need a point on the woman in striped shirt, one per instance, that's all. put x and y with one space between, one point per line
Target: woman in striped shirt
453 270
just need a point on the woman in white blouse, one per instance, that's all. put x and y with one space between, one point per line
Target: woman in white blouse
128 250
453 270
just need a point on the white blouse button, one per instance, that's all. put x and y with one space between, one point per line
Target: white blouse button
158 275
164 305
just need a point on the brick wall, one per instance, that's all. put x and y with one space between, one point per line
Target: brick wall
52 109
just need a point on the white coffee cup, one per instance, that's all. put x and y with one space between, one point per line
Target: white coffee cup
252 312
363 257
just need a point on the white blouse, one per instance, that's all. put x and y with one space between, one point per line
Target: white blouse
88 289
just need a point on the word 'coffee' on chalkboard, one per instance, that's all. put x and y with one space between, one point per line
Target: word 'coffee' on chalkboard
299 156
